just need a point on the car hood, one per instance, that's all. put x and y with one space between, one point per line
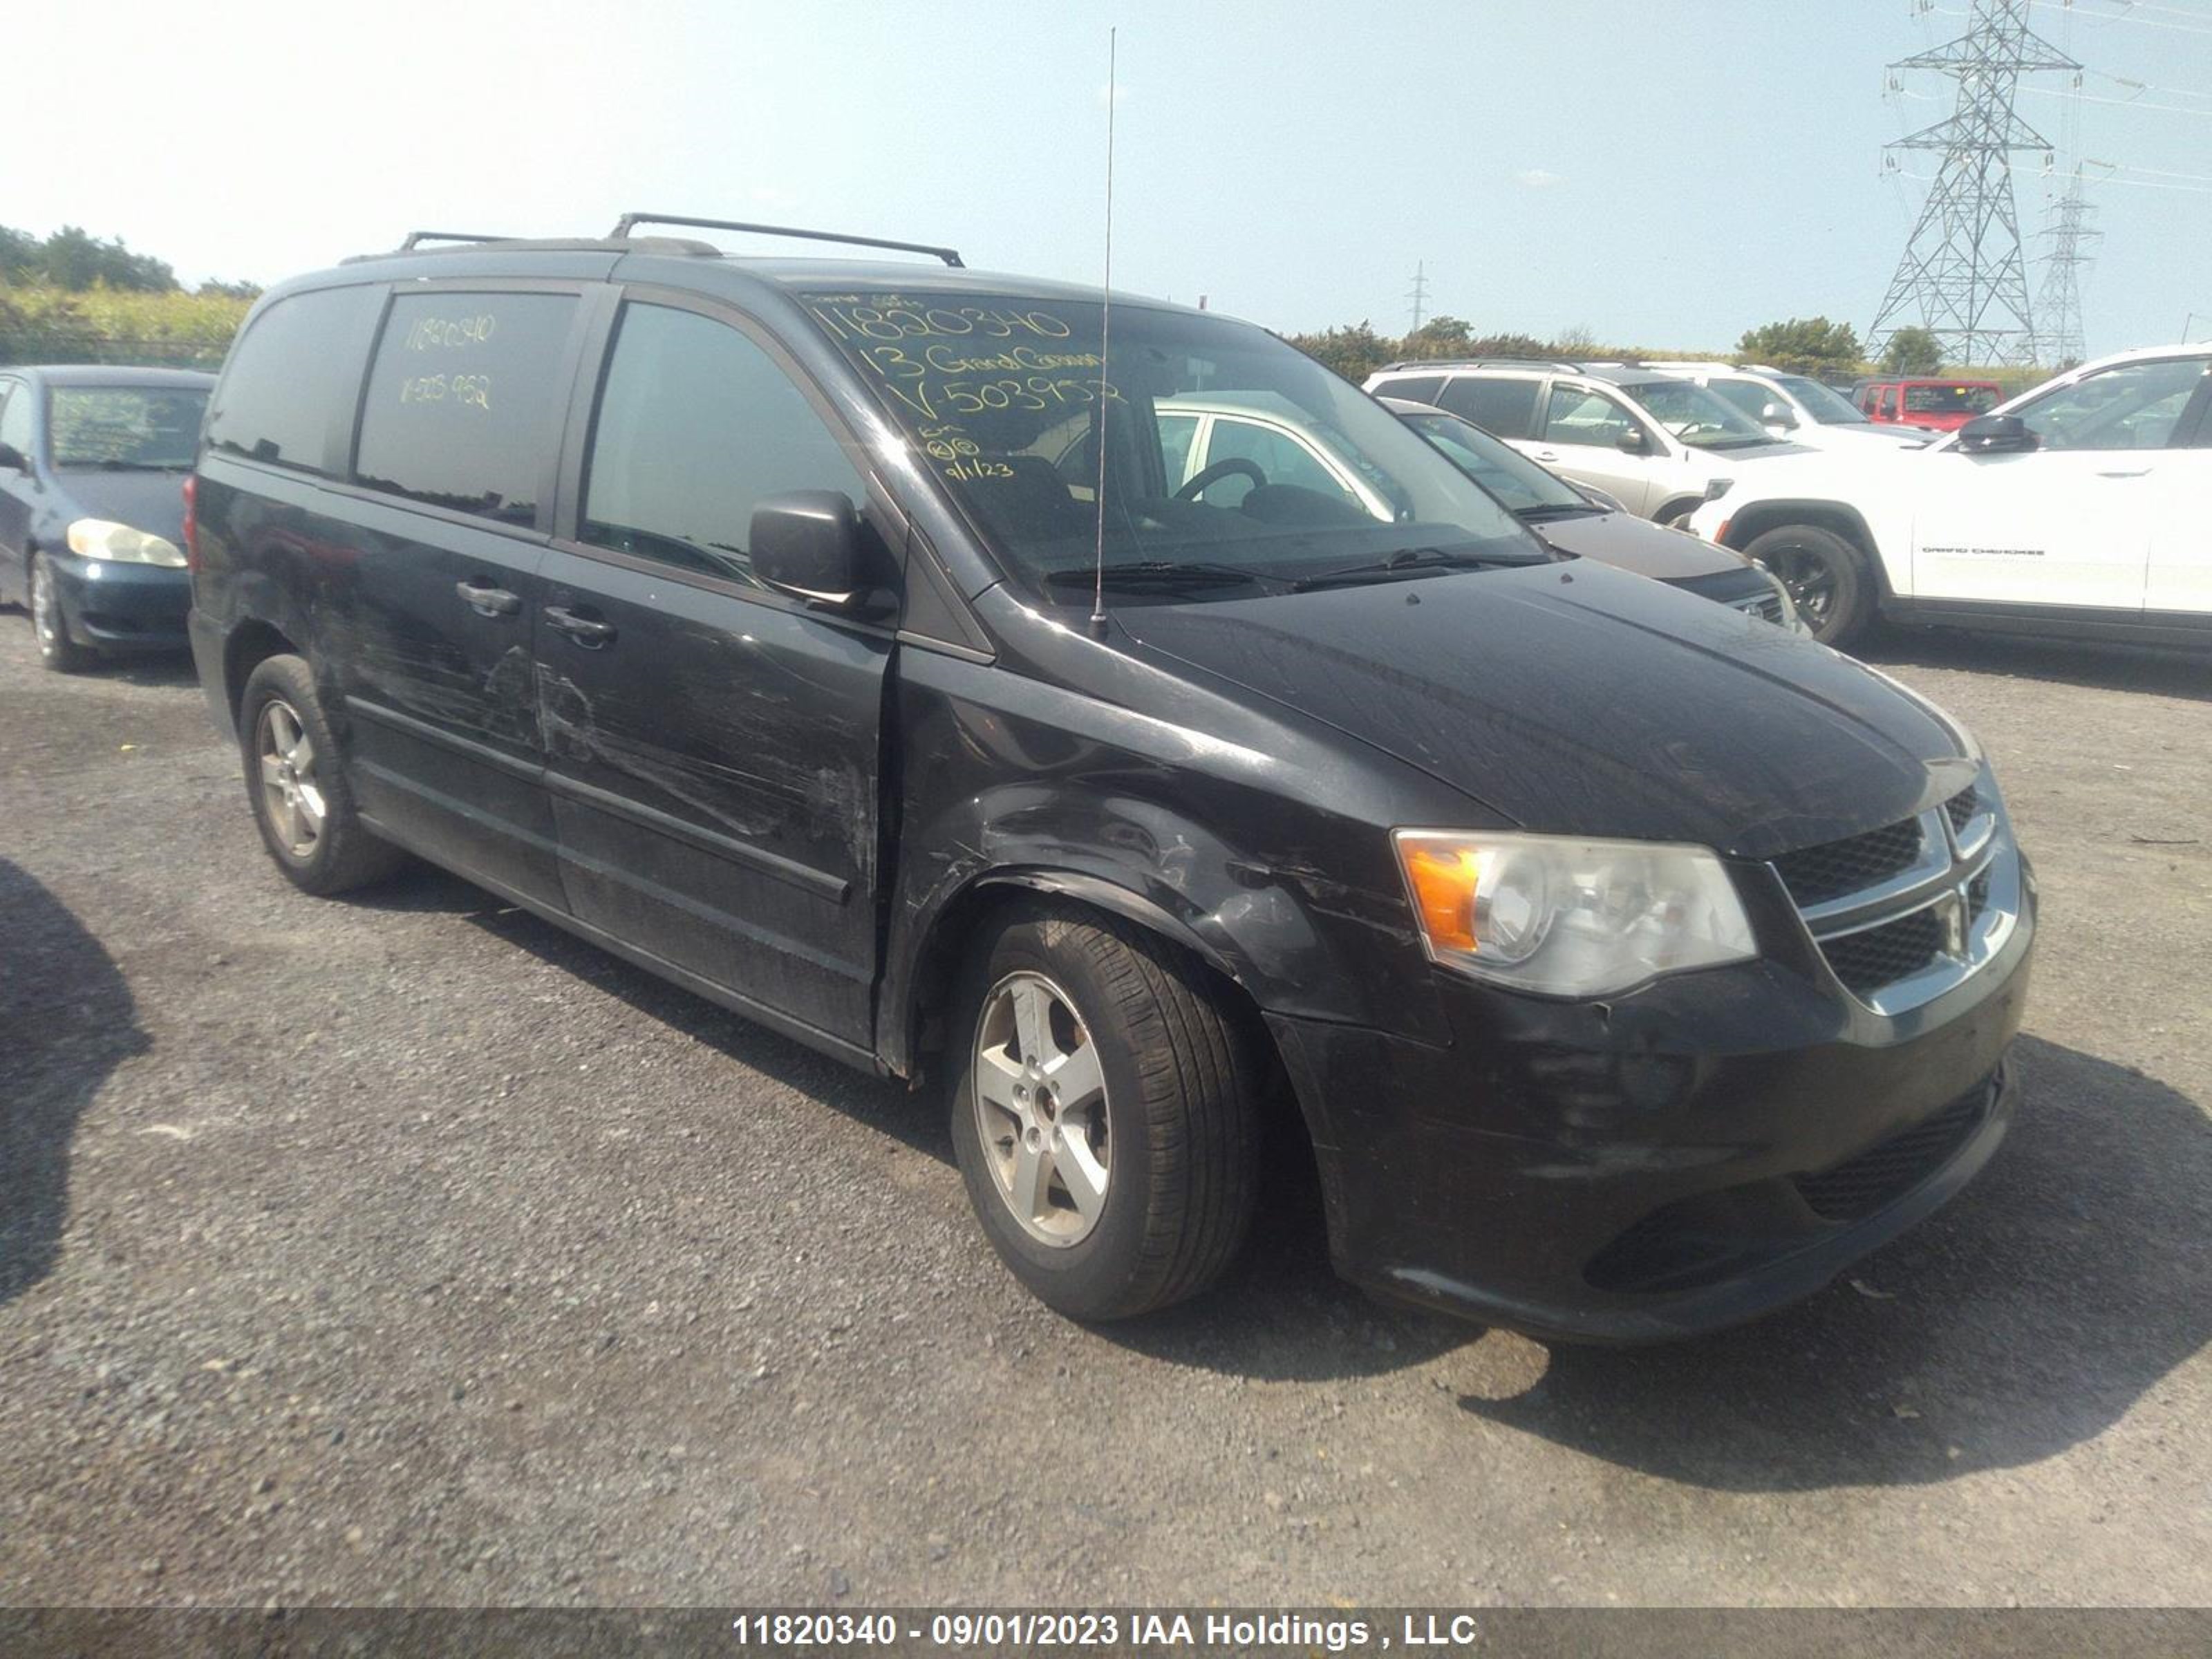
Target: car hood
151 501
1628 543
1575 699
1870 435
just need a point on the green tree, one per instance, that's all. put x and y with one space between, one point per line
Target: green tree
1440 336
1804 345
1355 352
18 255
74 259
1912 351
230 290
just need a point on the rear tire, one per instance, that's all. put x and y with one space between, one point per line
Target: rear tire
1104 1108
57 650
1827 577
300 800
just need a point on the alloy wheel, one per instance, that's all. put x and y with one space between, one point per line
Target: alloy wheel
45 608
289 786
1040 1104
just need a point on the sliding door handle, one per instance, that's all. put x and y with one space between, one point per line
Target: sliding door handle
486 600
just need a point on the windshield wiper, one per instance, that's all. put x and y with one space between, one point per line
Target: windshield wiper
1410 562
133 466
1544 512
1157 573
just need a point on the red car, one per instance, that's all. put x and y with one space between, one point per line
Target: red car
1936 405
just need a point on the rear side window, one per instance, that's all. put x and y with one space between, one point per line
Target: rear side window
696 425
289 386
1507 408
1414 388
464 401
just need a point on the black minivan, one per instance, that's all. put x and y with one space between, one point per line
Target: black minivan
826 635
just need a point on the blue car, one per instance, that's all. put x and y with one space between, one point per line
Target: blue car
93 460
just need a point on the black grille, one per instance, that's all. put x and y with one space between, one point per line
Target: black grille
1767 608
1978 896
1959 809
1867 961
1816 874
1859 1185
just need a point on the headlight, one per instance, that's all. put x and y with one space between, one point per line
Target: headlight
103 538
1563 917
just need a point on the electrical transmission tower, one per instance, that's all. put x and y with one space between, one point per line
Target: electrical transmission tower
1963 274
2059 303
1420 294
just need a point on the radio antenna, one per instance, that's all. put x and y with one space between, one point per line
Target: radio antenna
1105 354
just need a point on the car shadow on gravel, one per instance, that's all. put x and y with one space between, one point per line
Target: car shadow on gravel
66 1021
884 1106
2093 665
2029 1317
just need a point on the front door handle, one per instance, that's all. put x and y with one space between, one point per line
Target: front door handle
485 599
587 631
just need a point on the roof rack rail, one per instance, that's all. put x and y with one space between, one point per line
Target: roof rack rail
416 238
630 221
1481 362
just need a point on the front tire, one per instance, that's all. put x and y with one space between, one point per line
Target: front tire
57 650
1104 1113
300 801
1827 577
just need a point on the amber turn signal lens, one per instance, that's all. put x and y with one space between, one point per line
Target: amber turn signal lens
1444 878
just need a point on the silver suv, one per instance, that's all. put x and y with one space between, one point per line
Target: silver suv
1796 408
1660 444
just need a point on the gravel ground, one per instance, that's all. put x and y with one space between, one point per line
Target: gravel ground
405 1250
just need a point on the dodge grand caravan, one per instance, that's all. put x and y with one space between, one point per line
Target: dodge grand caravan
1629 965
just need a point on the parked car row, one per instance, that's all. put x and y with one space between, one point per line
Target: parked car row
1158 746
91 518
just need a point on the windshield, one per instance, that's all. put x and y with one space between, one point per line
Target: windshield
128 427
1697 417
1500 469
1950 400
1232 460
1824 403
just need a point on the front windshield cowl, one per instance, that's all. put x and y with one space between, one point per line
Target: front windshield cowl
1228 454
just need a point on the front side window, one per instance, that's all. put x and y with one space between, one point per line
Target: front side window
123 428
2133 406
1505 407
1696 417
1005 399
291 379
465 399
1590 418
696 425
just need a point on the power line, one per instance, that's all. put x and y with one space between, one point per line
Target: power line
1963 274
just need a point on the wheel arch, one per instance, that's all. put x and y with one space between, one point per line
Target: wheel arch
1677 510
1756 518
249 644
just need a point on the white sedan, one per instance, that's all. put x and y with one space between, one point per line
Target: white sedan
2082 508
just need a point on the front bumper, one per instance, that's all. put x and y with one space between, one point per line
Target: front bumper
1670 1163
121 607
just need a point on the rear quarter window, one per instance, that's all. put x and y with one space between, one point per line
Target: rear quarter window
287 391
1504 407
464 401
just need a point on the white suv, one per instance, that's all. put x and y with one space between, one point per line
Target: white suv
1657 443
2083 506
1796 408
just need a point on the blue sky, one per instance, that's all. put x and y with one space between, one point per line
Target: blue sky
1664 172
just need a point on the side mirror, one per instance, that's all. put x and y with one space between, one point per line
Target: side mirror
1632 441
1996 434
1776 415
12 460
807 544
